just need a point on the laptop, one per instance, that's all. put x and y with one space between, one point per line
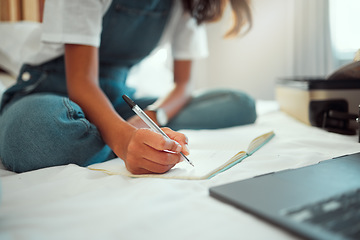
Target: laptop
320 201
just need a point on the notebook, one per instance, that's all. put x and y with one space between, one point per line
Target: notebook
320 201
211 151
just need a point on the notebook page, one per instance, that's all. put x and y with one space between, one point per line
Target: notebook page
259 141
209 149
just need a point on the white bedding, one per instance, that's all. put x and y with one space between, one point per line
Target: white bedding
71 202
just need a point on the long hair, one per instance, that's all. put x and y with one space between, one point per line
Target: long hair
212 10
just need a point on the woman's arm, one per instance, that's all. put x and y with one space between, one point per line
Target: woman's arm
141 149
83 88
177 98
181 93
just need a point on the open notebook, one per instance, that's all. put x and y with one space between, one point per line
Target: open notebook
212 152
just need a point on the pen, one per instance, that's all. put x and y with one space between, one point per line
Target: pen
148 120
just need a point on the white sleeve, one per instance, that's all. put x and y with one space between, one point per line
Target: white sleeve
74 21
189 39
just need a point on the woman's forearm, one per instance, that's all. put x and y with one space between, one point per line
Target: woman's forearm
83 89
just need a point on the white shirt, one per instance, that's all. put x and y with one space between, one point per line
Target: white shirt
63 23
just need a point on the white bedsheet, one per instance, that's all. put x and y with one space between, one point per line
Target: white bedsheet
71 202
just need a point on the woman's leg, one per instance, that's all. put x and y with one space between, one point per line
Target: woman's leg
216 109
42 130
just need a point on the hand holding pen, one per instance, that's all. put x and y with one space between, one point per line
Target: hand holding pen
149 152
148 121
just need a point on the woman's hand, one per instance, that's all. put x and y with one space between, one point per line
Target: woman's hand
150 152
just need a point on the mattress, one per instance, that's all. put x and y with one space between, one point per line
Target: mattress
72 202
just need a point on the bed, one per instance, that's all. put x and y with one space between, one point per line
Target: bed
72 202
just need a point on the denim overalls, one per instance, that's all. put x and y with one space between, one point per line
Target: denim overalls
41 127
131 30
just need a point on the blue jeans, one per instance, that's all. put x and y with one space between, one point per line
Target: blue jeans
42 130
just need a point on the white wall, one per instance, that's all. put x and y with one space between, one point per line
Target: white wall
254 62
251 63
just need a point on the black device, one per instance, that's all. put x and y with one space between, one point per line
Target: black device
329 102
320 201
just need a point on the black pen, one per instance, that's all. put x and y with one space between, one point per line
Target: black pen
148 121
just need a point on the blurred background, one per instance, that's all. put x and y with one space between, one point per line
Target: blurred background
289 38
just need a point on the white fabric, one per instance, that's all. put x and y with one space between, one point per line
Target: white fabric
18 41
79 22
313 52
188 40
71 202
64 23
5 82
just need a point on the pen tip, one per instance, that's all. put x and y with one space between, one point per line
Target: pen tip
187 159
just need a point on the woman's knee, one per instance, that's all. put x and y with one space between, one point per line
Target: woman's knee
217 109
238 107
43 130
245 105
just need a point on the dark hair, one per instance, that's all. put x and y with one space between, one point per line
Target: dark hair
212 10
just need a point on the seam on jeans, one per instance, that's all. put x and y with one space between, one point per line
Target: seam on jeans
70 111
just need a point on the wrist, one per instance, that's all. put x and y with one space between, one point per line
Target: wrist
158 115
152 115
119 144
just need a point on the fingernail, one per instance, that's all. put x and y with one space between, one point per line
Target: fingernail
178 147
186 149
